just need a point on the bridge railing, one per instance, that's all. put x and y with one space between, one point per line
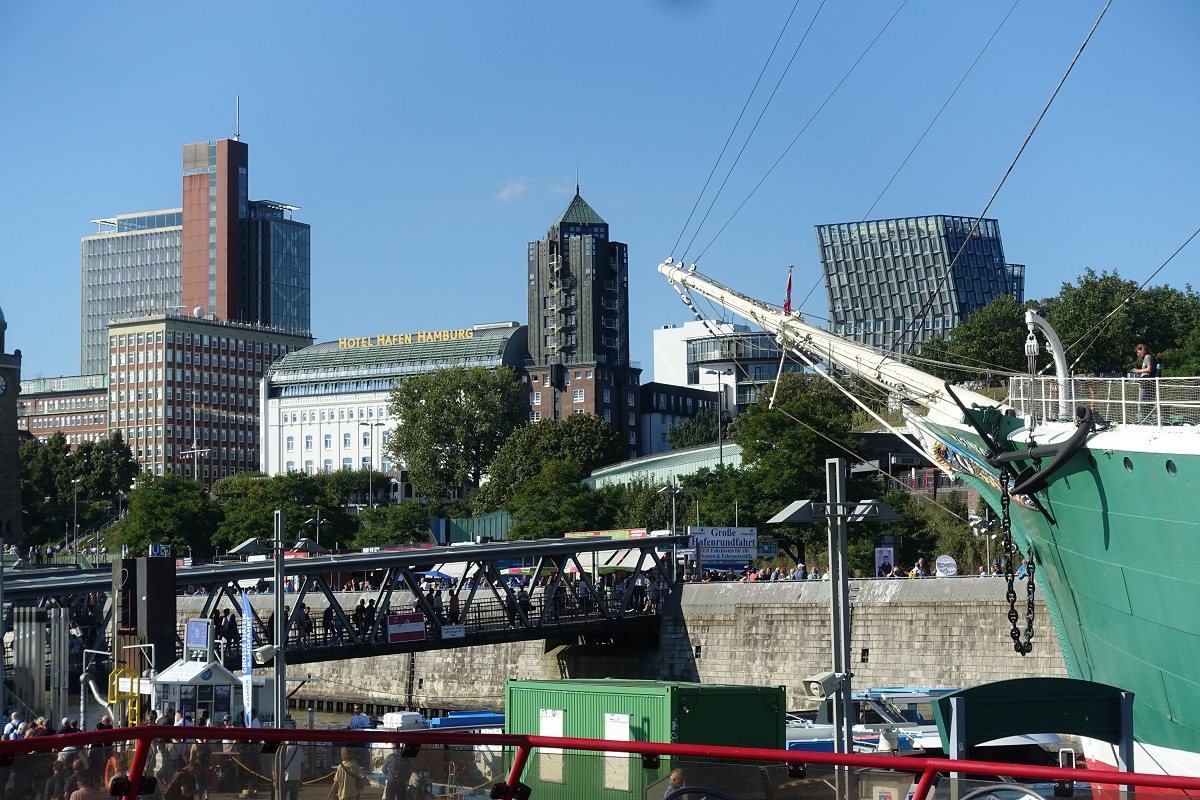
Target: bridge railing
228 762
484 614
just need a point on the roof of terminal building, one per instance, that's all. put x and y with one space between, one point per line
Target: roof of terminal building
401 354
578 212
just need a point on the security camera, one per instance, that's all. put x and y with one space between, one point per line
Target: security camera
264 654
821 684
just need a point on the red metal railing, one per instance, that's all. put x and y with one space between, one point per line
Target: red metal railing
924 770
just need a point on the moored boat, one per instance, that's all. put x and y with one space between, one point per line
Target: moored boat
1099 481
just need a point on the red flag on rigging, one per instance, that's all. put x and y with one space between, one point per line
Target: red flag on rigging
787 303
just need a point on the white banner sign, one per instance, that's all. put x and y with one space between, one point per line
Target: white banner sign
728 546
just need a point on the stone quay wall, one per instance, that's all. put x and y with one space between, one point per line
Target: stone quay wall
928 632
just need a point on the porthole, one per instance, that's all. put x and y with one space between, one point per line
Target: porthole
1128 464
1170 467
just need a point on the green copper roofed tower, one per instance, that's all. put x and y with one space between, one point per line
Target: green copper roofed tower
578 288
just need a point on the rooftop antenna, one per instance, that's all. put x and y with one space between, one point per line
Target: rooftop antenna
237 118
576 179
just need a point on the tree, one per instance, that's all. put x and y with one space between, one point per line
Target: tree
582 439
554 502
398 524
453 422
166 509
699 430
992 340
784 451
249 501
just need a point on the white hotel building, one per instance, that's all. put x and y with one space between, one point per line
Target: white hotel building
325 407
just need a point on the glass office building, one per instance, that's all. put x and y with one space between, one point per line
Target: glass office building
275 273
132 267
220 256
884 278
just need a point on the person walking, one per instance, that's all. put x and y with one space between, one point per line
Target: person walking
348 779
293 762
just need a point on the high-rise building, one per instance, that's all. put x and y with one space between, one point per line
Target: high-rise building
578 289
884 278
132 266
234 258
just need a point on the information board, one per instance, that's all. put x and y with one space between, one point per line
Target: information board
729 547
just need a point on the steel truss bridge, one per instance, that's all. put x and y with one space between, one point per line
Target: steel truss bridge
571 598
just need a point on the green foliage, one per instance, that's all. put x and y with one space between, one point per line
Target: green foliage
249 500
699 430
992 339
784 460
166 509
583 439
454 422
1162 317
644 505
554 502
390 525
105 471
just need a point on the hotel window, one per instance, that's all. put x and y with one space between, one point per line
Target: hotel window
291 443
308 467
608 416
328 441
546 379
577 396
346 441
308 442
327 466
347 463
629 399
535 398
291 466
535 416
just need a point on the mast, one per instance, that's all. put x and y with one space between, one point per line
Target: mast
860 360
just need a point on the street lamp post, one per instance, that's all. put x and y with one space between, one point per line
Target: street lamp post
371 456
720 373
983 527
316 522
75 533
837 512
674 491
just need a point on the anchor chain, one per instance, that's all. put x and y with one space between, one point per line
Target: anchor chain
1025 646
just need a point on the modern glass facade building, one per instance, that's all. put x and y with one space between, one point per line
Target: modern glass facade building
275 281
133 266
234 259
882 274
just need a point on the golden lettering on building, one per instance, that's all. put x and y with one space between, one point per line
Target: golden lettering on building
345 342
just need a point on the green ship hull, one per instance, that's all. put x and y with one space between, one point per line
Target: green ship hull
1117 551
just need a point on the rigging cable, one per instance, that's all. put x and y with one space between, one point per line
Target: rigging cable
798 357
1099 327
738 122
979 219
750 135
810 121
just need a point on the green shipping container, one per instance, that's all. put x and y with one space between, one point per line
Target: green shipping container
640 711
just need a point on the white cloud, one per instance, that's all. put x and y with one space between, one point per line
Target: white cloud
512 190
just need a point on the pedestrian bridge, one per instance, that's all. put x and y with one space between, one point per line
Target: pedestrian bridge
590 589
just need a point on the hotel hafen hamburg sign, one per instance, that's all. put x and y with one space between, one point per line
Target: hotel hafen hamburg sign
725 546
405 338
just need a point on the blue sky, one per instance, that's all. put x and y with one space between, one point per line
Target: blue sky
427 143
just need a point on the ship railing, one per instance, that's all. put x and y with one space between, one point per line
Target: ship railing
1126 401
231 762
